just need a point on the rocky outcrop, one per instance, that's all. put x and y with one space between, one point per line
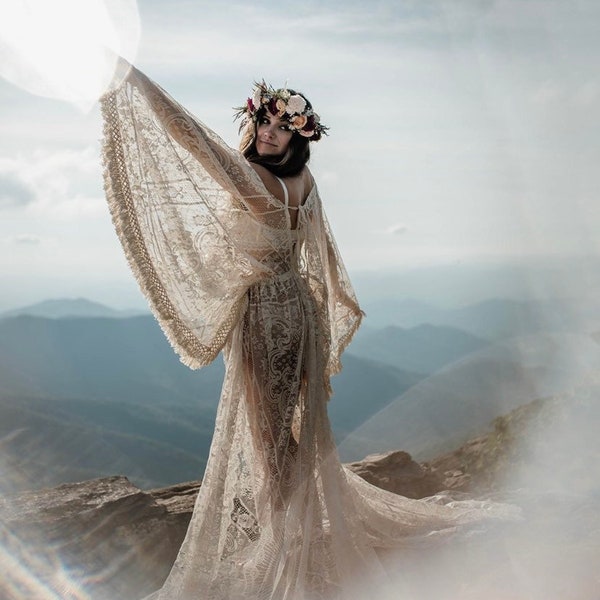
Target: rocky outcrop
107 539
397 472
102 539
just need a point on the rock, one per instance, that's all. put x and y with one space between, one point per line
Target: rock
102 539
105 539
459 469
178 499
457 481
397 472
108 539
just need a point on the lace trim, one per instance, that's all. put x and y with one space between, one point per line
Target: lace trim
191 351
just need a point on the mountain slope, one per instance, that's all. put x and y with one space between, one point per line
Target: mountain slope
424 348
42 446
443 410
110 384
99 358
362 389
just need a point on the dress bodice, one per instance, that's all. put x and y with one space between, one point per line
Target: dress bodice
280 248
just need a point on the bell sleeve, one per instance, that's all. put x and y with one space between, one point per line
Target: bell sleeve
179 198
330 284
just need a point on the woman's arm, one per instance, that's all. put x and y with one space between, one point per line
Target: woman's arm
178 197
227 166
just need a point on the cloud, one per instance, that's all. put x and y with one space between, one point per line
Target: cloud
315 42
397 229
391 230
56 185
13 191
461 119
26 239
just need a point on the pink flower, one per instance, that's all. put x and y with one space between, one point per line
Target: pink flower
298 122
280 105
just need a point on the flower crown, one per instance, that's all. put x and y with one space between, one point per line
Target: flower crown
291 107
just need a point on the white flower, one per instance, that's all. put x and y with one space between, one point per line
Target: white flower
256 98
296 104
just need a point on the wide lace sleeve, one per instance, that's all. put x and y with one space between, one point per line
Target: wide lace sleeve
190 213
331 287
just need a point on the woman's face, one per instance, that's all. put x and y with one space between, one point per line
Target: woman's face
273 135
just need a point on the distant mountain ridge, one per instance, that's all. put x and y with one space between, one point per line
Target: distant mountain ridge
102 358
59 308
117 382
492 319
424 348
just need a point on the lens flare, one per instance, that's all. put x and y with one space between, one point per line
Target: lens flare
66 49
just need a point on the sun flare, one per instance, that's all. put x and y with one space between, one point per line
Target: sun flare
66 49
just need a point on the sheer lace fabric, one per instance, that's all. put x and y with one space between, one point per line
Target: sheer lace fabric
277 517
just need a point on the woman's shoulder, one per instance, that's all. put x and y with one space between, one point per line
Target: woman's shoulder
269 180
263 172
309 180
305 175
299 185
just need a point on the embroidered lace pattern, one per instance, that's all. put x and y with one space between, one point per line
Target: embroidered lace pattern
277 516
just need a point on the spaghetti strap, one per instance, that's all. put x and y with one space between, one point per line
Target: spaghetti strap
285 190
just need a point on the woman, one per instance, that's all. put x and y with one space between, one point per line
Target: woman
234 253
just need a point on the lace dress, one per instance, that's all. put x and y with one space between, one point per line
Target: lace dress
277 517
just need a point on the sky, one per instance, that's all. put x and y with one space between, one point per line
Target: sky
461 132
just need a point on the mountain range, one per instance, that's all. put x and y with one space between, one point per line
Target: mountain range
87 395
57 308
81 397
491 319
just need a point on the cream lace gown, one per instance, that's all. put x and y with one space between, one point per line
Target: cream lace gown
278 517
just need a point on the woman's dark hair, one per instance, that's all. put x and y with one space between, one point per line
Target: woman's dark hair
289 164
